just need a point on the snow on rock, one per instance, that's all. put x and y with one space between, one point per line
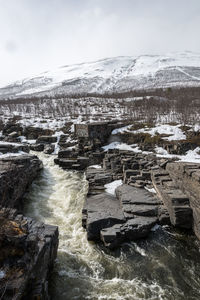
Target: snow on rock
173 130
122 129
110 187
9 143
192 156
95 166
122 146
11 154
196 127
152 190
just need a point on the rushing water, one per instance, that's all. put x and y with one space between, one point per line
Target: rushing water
165 266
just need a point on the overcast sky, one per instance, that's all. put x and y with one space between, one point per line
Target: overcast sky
38 35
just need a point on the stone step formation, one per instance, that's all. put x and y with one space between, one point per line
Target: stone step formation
132 212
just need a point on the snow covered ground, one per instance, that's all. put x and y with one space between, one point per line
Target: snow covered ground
190 156
174 131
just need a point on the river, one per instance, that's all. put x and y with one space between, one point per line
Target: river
164 266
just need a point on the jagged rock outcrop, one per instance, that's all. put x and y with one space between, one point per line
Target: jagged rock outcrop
27 253
16 174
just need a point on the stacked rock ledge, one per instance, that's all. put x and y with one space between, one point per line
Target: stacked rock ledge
27 248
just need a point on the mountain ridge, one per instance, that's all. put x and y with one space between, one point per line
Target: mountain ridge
110 75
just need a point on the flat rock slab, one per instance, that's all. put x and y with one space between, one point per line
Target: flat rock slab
102 211
141 210
131 195
134 229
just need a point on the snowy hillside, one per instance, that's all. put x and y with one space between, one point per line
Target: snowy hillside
113 75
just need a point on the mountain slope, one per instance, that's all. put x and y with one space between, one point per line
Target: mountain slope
113 75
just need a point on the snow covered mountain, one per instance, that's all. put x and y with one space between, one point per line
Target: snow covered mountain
112 75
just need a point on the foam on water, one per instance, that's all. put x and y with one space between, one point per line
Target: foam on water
148 269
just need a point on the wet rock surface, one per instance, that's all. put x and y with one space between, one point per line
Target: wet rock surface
27 253
114 220
16 174
27 248
13 148
176 188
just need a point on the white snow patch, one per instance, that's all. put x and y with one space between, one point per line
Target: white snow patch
173 130
152 190
8 143
122 146
110 187
31 141
120 130
196 127
95 166
191 156
11 154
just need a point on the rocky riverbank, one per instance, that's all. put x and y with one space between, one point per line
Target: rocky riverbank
171 197
27 248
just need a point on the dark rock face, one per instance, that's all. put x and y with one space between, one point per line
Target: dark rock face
102 211
27 248
49 149
97 178
12 127
16 173
46 139
27 253
129 216
79 164
13 148
32 133
187 179
100 130
37 147
176 202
